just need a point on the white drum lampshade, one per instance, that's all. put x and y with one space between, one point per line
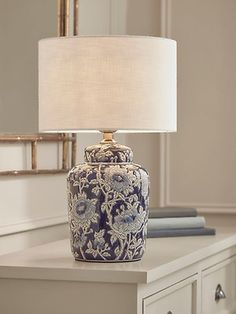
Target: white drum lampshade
108 84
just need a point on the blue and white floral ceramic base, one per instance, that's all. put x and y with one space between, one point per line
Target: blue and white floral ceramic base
108 200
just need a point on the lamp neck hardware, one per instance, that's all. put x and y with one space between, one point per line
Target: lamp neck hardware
108 137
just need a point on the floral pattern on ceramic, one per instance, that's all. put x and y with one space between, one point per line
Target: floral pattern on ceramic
108 203
104 153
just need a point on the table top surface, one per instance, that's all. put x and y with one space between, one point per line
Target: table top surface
54 261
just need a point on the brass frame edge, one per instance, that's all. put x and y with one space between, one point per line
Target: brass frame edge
32 172
33 140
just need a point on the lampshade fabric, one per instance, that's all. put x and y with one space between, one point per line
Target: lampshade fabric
124 83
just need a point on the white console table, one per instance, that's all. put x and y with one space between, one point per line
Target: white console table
176 276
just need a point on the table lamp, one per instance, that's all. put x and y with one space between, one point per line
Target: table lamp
107 84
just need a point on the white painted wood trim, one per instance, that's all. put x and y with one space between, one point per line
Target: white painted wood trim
162 173
118 17
32 224
165 18
176 286
165 28
164 185
218 266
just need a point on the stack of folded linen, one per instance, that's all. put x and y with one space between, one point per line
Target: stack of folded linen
176 222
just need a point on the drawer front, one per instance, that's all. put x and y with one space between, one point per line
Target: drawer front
174 300
219 288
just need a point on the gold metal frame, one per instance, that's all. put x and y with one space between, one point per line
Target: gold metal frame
65 139
34 140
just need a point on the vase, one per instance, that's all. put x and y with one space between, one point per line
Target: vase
108 199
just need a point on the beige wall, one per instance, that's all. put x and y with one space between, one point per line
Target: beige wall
32 208
22 24
143 17
200 158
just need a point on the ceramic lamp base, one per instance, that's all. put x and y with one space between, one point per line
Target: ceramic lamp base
108 205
